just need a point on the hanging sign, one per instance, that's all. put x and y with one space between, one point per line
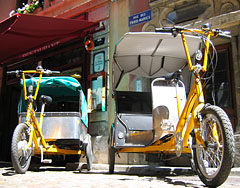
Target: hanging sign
99 62
140 18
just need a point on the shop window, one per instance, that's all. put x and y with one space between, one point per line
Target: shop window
186 14
97 92
65 59
21 2
219 87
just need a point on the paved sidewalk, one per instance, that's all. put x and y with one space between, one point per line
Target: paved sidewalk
143 169
125 176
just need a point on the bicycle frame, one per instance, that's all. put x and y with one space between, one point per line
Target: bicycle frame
189 116
36 135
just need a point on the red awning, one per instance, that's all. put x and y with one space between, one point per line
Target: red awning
23 34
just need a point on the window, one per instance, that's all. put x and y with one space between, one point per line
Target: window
185 14
219 89
21 2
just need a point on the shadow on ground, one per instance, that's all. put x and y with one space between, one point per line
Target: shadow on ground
149 173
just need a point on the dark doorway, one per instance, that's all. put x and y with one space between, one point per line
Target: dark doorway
220 88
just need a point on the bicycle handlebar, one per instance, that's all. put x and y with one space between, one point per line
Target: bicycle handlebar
18 72
222 34
51 72
171 29
177 29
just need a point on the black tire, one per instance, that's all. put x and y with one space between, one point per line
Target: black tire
89 152
214 162
111 154
21 157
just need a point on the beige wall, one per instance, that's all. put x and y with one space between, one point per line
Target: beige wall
119 12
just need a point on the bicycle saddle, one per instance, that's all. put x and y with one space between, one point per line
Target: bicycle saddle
45 99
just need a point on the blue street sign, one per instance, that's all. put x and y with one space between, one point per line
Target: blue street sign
140 18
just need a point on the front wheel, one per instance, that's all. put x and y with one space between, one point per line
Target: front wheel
213 162
20 154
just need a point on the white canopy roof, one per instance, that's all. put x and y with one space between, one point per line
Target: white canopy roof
150 54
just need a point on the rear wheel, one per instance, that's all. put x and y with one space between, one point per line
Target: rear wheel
21 156
89 152
213 163
111 153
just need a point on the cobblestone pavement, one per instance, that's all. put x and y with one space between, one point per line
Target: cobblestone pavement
58 177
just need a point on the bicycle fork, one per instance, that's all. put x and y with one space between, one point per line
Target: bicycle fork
36 135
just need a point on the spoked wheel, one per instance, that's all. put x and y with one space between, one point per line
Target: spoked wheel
21 156
111 159
111 154
89 152
213 163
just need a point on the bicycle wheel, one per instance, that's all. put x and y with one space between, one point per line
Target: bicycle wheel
111 154
89 152
21 156
213 163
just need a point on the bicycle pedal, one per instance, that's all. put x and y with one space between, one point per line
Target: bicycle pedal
47 161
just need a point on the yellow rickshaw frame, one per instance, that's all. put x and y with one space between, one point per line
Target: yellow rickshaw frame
36 135
194 104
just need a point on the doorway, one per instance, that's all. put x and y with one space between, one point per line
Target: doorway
219 89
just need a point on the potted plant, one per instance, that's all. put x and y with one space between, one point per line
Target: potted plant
28 8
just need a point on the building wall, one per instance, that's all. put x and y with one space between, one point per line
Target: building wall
6 7
119 12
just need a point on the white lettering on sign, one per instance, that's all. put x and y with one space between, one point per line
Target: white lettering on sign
37 50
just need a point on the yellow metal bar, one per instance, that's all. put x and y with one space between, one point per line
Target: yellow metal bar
187 132
187 52
164 148
24 87
199 90
198 107
187 108
29 144
205 60
36 143
38 85
178 106
30 71
195 102
54 150
39 131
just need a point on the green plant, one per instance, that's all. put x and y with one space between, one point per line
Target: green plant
29 8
